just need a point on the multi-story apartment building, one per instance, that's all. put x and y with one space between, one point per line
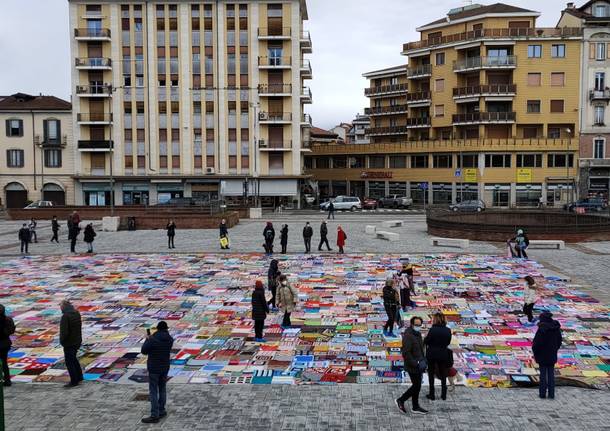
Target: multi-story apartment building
594 19
37 161
189 99
490 110
358 133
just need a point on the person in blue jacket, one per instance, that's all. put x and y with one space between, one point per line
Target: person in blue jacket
545 346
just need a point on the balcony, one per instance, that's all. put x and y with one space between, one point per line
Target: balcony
477 63
306 120
305 40
484 118
93 64
306 71
493 33
391 130
386 90
386 110
275 117
593 163
94 91
95 146
265 145
274 33
275 90
274 62
93 118
603 95
475 91
419 123
92 34
422 98
306 95
418 72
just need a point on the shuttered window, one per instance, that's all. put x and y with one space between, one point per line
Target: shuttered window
557 106
557 79
534 79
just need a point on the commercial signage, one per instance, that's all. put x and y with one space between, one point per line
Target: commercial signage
375 175
524 175
470 175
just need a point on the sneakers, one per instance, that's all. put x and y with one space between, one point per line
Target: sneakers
430 397
150 420
400 405
419 411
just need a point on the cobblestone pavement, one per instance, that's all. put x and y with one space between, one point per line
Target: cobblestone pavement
98 406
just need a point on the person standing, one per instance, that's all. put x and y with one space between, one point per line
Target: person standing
284 238
73 235
24 238
7 328
307 234
157 347
260 309
530 296
415 365
390 303
88 236
32 227
324 236
272 280
287 299
406 285
224 233
341 237
269 236
522 242
55 229
70 337
171 233
437 353
331 210
545 346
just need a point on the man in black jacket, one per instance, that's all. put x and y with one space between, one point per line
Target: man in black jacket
24 238
413 357
307 234
269 236
158 348
324 236
55 229
71 338
545 346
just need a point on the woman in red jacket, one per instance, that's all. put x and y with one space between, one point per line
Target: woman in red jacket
341 237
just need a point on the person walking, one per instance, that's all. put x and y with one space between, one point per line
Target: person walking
7 328
269 236
341 237
55 229
287 299
437 354
260 309
73 235
405 277
24 238
223 231
530 296
32 227
415 365
390 303
324 236
545 346
272 280
70 337
171 233
307 234
88 236
157 348
331 210
522 242
284 238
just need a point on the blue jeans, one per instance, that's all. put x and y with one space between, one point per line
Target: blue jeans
547 380
157 393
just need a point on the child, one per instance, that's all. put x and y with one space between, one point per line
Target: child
530 297
260 309
89 236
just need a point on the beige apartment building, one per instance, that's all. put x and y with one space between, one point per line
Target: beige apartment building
37 157
199 99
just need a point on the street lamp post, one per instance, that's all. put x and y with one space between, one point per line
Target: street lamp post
255 174
570 190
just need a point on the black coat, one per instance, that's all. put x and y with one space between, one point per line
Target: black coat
331 207
70 329
437 341
269 233
260 308
307 232
547 341
171 229
222 230
389 296
24 234
7 328
89 234
54 225
412 350
73 232
284 235
323 230
158 347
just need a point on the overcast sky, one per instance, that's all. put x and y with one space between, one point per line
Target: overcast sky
350 37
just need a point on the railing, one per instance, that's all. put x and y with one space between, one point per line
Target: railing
494 33
101 117
274 32
485 89
95 145
306 92
392 130
306 66
424 69
285 144
275 116
93 89
419 96
274 61
484 117
599 94
275 88
93 62
394 88
92 32
306 118
419 122
485 62
379 110
306 37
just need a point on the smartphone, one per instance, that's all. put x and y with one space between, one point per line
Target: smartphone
148 331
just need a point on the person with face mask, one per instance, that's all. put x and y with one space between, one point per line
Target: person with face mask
415 365
287 299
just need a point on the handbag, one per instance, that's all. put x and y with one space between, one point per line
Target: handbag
422 365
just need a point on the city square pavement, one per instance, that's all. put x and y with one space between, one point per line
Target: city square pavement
99 406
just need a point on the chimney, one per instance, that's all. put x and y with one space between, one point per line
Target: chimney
570 5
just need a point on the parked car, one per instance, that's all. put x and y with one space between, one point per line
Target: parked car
344 203
475 205
369 204
395 201
589 204
40 204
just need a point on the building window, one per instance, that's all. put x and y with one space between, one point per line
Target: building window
440 58
439 110
533 106
558 51
274 10
14 158
557 106
529 160
559 160
557 79
554 132
14 128
442 161
398 162
600 81
600 11
51 131
534 51
468 161
600 112
600 51
497 160
598 148
439 85
377 162
534 79
419 161
52 158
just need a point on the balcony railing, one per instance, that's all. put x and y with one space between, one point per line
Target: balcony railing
386 110
305 41
508 61
419 71
95 145
270 62
484 117
599 94
93 63
391 130
275 88
306 93
94 117
92 33
274 144
274 32
386 89
421 96
275 117
306 67
489 89
306 120
494 33
101 90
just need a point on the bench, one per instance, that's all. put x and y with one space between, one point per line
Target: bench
450 242
555 243
370 230
390 236
391 223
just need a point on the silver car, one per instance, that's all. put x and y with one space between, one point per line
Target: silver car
344 203
473 205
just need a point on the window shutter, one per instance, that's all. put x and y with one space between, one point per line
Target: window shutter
8 127
59 131
608 50
44 129
592 51
20 127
